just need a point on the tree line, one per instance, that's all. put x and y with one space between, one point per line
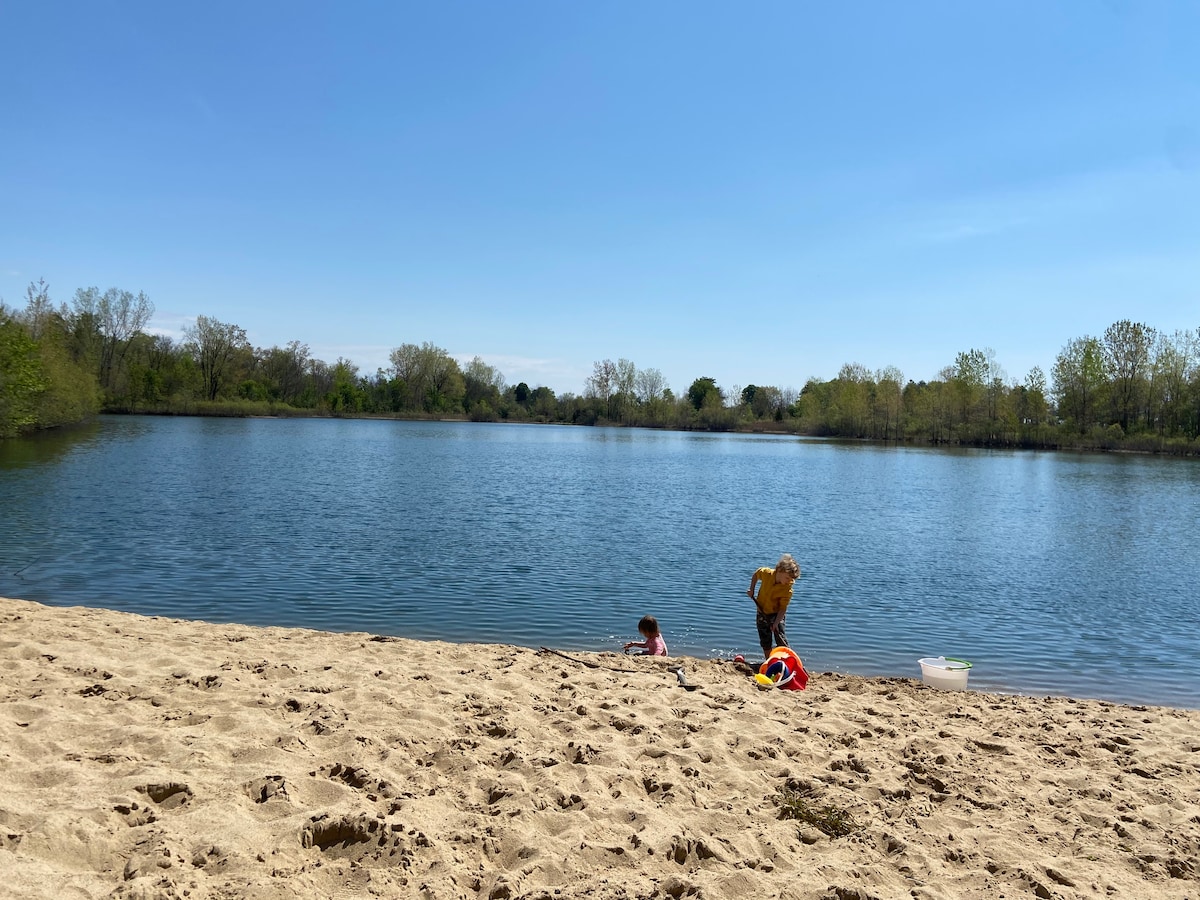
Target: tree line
1131 388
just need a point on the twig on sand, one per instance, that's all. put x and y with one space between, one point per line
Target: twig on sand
592 665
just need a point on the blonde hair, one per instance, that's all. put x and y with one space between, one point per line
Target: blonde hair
788 565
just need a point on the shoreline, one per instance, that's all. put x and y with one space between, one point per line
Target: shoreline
981 680
1076 444
162 757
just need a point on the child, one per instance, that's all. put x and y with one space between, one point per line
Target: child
653 645
774 594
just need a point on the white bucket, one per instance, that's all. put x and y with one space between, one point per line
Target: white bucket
945 672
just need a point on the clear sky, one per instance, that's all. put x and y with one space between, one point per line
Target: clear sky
757 192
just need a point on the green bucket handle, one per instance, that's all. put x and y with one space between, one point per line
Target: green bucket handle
965 664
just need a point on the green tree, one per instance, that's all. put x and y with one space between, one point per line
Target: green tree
483 384
21 381
1030 405
432 379
406 369
72 393
345 394
762 402
41 384
542 402
929 409
996 397
849 408
1176 358
889 403
967 379
84 339
1079 381
811 406
216 347
166 369
1127 349
318 383
704 392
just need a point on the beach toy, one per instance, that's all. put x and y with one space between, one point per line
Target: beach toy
683 682
782 669
945 672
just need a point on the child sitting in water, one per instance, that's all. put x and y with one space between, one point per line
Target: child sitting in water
653 645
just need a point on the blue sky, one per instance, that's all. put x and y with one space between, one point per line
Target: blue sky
754 192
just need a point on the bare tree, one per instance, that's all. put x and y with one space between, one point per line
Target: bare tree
117 316
602 382
650 385
486 374
39 310
287 368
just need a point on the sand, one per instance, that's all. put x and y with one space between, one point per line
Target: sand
157 758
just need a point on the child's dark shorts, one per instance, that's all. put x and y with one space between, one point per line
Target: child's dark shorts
769 638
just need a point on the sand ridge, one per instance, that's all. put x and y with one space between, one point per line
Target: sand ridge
158 758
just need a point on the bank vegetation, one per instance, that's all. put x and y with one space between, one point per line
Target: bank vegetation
1132 388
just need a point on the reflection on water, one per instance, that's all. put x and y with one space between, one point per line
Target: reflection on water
1053 573
48 446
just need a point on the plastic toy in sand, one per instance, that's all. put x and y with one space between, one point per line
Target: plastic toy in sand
782 669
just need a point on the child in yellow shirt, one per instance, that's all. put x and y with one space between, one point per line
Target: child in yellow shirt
774 595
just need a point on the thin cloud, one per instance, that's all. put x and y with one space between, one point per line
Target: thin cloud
533 370
1070 198
967 231
368 357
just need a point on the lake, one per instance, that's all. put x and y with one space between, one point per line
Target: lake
1053 573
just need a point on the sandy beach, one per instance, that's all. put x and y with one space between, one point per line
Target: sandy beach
157 758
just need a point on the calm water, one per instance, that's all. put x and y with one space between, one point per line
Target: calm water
1053 573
